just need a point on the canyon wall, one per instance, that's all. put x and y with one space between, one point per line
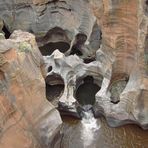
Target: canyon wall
73 39
27 118
124 35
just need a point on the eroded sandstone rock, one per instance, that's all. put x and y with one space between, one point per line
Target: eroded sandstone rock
124 32
27 119
120 57
40 16
112 48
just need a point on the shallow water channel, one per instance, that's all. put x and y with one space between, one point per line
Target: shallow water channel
95 133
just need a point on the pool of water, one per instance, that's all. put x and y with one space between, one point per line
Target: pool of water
95 133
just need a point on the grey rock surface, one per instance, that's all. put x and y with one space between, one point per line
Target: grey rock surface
103 39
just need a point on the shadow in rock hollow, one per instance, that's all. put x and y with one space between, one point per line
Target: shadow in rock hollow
85 95
49 48
54 88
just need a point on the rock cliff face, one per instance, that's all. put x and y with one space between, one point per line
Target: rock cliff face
124 35
27 118
102 39
41 17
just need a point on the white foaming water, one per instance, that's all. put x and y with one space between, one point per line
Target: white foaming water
89 127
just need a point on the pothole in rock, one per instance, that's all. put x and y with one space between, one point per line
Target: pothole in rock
49 48
86 91
54 88
56 38
86 49
117 87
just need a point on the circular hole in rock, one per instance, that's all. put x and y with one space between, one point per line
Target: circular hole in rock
85 93
54 87
49 48
117 87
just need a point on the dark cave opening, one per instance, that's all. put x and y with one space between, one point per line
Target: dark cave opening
85 93
49 48
6 31
54 87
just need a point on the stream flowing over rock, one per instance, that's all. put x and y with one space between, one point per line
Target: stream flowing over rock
72 57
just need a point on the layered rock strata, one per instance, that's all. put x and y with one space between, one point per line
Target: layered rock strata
123 99
27 119
105 39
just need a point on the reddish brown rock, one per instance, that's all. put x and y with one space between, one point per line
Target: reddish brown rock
124 37
27 118
121 59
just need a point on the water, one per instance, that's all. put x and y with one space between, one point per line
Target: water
81 133
89 127
95 133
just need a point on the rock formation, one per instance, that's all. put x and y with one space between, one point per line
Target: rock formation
27 119
124 34
102 39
